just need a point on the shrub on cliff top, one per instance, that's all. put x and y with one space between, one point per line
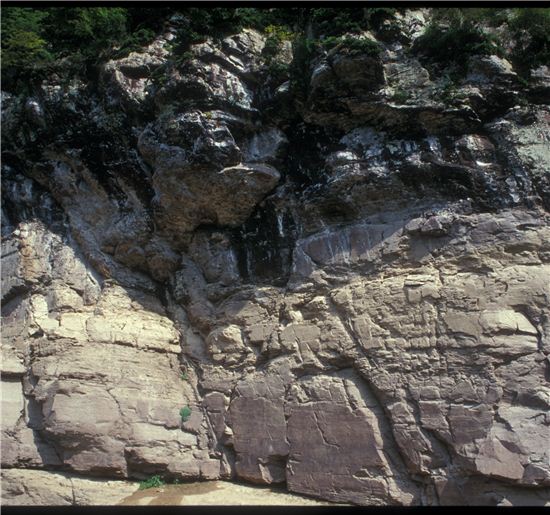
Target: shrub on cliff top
23 43
34 37
31 36
455 44
353 46
85 31
456 33
531 29
335 22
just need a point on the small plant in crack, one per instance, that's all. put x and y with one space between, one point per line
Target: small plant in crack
184 376
400 96
185 413
152 482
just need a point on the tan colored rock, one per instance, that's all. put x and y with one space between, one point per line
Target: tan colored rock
22 487
11 364
71 325
13 403
506 321
130 401
226 345
465 323
139 330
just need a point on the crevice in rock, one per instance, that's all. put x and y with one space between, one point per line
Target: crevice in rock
391 450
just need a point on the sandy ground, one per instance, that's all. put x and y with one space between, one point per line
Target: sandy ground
220 493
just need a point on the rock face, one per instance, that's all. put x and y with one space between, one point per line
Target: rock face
25 487
348 294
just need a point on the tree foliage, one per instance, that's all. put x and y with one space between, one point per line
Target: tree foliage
531 30
23 43
34 37
335 22
448 44
87 31
456 33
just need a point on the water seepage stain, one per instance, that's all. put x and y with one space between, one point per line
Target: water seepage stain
170 494
220 493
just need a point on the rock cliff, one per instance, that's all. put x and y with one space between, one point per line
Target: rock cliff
205 275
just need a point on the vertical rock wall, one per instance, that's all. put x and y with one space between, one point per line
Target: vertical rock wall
349 294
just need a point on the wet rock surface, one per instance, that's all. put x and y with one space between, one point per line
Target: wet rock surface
38 487
219 493
349 294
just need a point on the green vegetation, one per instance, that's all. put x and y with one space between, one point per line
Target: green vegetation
101 28
401 96
135 42
334 21
183 375
260 18
32 37
152 482
353 46
448 92
458 33
276 35
185 413
36 39
22 43
303 50
198 24
531 30
455 43
279 71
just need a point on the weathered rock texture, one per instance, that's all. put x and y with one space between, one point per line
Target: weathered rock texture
350 293
26 487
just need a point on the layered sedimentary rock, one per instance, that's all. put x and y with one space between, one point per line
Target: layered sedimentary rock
349 293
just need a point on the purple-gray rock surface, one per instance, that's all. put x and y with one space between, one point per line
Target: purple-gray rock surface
352 299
